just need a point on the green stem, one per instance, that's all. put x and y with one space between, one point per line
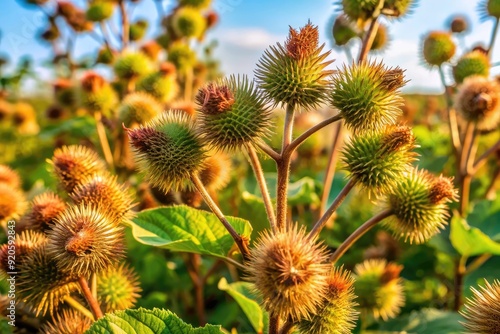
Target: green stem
466 161
334 206
261 180
125 24
478 262
452 118
459 281
369 224
368 40
268 150
493 37
79 307
484 157
103 139
242 244
94 305
490 193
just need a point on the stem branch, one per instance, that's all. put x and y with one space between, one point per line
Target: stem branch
94 305
300 139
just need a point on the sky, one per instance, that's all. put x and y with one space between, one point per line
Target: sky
247 27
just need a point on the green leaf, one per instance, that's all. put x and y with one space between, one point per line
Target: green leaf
242 294
485 215
470 241
252 208
185 229
144 321
426 321
82 126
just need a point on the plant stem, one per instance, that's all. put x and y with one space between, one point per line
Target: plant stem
484 157
287 326
452 118
300 139
283 169
491 190
125 24
79 307
459 281
368 40
93 285
478 262
274 324
332 164
94 305
105 36
334 206
358 234
242 244
234 263
268 150
466 160
193 268
259 175
103 139
493 37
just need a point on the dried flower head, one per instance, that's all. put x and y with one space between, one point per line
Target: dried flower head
367 95
473 63
74 163
26 241
44 210
232 113
103 191
359 10
344 30
118 288
132 65
169 150
295 73
290 273
438 48
67 322
84 240
482 311
9 177
338 314
161 85
419 203
376 160
189 22
12 203
41 283
138 108
478 101
379 288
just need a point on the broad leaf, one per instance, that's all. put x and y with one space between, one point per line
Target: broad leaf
144 321
426 321
252 208
242 294
185 229
470 241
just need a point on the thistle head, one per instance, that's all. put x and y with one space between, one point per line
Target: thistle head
376 160
397 8
12 203
97 95
9 177
482 311
138 108
44 210
64 92
478 101
74 163
161 85
169 150
106 56
216 171
103 191
24 118
338 314
438 48
381 39
67 322
232 113
367 95
359 10
379 288
99 11
419 205
151 49
118 288
138 29
295 73
26 241
290 273
132 65
189 22
473 63
181 55
489 8
84 240
344 30
41 283
459 24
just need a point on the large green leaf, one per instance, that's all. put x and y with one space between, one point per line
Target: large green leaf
485 215
426 321
82 126
252 208
144 321
242 294
470 241
185 229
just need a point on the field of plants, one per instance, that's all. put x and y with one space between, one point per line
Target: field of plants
148 192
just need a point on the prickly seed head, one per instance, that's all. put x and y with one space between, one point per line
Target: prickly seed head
138 108
475 63
398 8
67 321
161 85
132 65
118 288
438 48
360 10
44 210
189 22
482 310
12 203
344 30
9 177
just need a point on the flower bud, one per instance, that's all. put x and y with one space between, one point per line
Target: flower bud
472 63
381 39
295 73
24 118
99 11
482 309
161 85
418 202
344 30
10 177
290 273
489 8
138 108
438 48
398 8
132 65
169 150
188 22
118 288
181 55
106 56
379 288
232 113
151 49
138 29
459 24
367 95
12 203
359 10
44 210
96 94
26 241
198 4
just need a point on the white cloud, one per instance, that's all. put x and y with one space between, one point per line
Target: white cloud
248 38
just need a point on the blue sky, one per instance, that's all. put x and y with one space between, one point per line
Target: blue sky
248 27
